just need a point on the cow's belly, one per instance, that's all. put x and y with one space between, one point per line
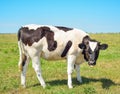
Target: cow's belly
51 56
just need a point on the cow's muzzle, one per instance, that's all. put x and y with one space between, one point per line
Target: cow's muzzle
91 63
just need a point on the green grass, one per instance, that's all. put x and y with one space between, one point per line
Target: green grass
104 78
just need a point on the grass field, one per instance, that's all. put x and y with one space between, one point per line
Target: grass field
104 78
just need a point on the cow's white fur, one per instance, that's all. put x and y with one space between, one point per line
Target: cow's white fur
39 49
92 45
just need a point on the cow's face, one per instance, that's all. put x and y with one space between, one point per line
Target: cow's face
91 49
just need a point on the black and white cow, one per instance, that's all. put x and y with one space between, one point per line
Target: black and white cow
53 43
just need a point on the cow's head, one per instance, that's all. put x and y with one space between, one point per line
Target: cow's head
91 49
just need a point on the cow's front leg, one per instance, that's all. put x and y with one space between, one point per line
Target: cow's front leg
70 61
37 68
77 67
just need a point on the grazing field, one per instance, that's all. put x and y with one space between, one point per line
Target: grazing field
104 78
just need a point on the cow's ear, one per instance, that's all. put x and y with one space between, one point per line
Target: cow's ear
82 46
86 40
103 46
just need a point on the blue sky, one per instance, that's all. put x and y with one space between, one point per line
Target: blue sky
93 16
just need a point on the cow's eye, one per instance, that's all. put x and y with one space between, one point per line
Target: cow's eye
90 52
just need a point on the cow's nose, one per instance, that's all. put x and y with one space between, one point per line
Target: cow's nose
91 61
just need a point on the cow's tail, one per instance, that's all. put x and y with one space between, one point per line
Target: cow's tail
22 56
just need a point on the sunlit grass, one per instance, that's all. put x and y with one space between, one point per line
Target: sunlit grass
104 78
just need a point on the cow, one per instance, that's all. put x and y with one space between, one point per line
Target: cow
55 43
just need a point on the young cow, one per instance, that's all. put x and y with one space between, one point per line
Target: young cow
53 43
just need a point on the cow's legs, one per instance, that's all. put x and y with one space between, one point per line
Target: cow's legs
37 68
77 67
23 72
70 61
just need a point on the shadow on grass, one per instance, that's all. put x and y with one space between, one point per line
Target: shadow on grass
106 83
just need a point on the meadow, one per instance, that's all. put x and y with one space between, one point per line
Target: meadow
104 78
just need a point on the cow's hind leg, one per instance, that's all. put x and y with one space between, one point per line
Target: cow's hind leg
24 65
37 68
77 67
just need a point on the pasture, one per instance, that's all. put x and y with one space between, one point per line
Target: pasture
104 78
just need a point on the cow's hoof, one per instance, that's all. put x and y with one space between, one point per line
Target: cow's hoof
79 80
44 86
23 86
70 87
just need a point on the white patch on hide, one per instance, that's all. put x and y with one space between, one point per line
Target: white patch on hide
92 45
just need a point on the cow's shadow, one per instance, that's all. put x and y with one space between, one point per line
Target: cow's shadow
106 83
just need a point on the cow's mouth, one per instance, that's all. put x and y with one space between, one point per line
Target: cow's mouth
91 63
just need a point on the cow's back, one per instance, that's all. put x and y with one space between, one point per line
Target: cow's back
53 42
63 38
